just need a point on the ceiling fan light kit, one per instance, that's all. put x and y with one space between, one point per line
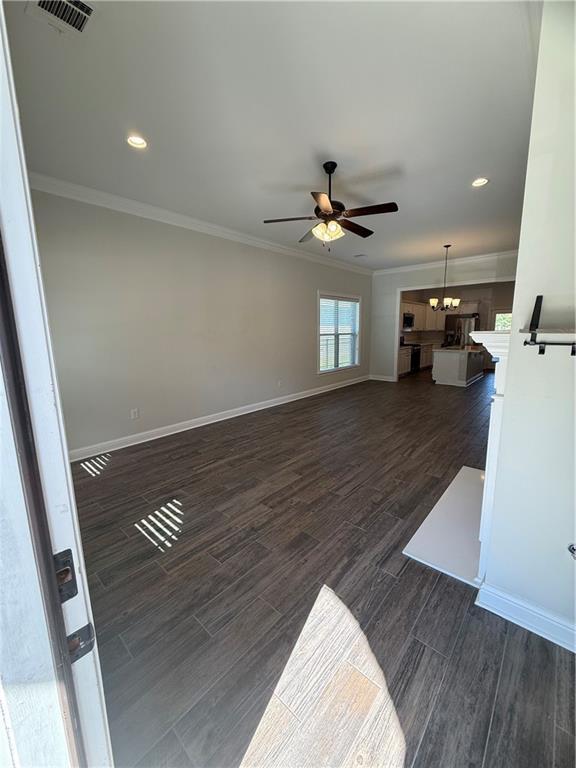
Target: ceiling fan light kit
334 216
447 302
328 231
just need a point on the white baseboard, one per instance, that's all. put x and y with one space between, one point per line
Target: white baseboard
529 616
373 377
171 429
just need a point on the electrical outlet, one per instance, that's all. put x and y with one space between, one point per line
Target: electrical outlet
135 413
279 383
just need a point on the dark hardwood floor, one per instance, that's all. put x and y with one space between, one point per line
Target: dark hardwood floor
262 614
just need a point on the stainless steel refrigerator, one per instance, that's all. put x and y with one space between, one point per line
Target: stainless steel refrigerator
458 329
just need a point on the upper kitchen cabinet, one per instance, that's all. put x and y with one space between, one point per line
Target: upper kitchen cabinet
467 308
434 321
419 317
418 310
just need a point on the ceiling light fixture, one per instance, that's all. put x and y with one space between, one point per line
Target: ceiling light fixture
481 181
447 302
137 142
328 231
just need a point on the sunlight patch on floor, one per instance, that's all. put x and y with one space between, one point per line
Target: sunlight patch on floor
331 706
96 464
162 526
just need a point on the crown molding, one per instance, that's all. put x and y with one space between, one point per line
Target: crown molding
481 258
82 194
60 188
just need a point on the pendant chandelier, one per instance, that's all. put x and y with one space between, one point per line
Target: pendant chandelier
447 302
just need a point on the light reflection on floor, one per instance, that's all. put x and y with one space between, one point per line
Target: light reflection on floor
331 706
96 464
162 526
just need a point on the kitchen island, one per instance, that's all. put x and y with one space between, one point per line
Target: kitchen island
458 367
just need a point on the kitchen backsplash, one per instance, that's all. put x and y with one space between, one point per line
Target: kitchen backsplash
423 337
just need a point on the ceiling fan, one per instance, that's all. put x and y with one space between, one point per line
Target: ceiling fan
334 216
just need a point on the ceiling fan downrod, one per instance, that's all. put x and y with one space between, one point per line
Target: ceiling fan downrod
330 166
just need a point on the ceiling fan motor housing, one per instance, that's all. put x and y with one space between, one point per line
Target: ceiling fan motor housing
338 209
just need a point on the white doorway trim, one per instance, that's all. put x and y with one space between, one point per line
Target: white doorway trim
41 389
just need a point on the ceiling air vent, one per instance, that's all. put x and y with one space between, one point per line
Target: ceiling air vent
65 14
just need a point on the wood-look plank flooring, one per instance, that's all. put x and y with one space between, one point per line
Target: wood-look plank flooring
277 623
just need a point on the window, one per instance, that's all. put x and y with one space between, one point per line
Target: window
339 329
502 321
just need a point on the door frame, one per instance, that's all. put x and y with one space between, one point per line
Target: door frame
17 426
43 459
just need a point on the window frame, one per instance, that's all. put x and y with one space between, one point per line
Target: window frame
495 312
342 297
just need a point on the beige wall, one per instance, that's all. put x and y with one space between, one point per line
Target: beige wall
173 322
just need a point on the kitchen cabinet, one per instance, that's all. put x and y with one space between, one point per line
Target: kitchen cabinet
405 307
419 317
466 308
404 356
418 310
434 321
426 356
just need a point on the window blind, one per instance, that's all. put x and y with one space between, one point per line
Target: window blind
338 332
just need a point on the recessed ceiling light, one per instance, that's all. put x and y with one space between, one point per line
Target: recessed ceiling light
480 181
137 142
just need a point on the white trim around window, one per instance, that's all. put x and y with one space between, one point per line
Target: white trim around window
353 350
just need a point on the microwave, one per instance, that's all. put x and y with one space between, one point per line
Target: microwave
407 320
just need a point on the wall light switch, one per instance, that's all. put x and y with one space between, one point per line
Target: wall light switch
135 413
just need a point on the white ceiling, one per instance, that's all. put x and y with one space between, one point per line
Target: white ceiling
241 102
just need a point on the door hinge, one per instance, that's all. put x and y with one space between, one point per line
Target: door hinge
65 575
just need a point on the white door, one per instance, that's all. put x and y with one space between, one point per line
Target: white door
34 676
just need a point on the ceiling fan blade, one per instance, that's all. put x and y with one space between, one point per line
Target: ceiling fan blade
322 201
370 210
356 229
294 218
307 236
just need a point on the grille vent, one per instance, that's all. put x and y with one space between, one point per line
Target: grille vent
69 13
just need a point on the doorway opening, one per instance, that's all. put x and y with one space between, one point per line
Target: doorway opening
435 345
